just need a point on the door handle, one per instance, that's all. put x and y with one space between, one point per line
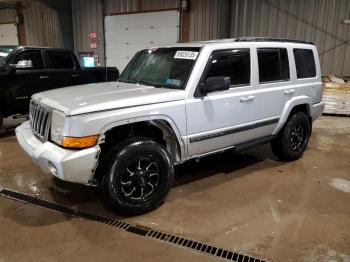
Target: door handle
75 75
247 99
44 77
289 92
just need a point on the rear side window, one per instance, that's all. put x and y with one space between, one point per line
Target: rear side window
273 64
60 60
232 63
304 63
34 56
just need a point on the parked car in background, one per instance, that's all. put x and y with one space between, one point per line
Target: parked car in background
25 71
171 104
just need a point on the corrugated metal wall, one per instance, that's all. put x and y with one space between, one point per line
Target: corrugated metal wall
8 16
87 18
313 20
42 24
121 6
204 20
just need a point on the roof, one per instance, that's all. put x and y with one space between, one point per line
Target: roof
31 47
240 39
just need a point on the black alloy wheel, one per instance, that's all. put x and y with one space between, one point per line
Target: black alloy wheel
140 178
139 173
292 140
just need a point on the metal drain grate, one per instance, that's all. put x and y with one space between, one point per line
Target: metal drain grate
132 228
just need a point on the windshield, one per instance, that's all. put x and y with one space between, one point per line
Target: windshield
4 52
161 67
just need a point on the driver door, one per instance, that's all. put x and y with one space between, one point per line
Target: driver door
226 118
29 77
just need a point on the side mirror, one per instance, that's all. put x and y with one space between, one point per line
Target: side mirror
214 84
23 64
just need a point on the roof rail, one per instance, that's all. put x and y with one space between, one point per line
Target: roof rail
269 39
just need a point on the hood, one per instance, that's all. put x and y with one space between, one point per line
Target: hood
89 98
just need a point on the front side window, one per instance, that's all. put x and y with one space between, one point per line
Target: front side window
273 64
161 67
304 63
60 60
231 63
33 57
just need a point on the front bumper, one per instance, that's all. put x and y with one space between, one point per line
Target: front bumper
317 110
76 166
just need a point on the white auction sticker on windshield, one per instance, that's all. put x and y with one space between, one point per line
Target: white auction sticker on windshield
3 54
186 55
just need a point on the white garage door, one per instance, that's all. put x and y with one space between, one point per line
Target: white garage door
127 34
8 34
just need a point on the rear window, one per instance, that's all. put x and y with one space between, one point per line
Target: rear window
60 60
304 63
273 64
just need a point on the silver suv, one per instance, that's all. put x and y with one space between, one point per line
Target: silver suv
171 104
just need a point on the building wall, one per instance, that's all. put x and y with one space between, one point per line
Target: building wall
204 20
8 16
120 6
87 18
48 23
313 20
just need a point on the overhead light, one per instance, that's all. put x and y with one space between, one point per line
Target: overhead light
185 5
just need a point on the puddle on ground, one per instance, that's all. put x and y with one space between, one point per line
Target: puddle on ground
341 184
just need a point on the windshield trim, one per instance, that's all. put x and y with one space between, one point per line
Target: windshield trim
188 76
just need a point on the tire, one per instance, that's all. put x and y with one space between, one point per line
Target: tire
293 138
138 175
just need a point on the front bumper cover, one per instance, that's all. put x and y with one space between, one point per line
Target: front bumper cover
76 166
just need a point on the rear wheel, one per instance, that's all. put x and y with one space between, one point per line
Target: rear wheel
293 138
138 175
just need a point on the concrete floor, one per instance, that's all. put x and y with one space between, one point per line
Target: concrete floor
296 211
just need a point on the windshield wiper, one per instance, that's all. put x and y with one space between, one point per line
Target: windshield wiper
148 83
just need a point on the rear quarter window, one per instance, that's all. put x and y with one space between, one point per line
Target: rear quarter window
304 63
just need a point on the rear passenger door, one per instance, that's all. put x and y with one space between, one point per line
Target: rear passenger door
231 117
63 70
274 84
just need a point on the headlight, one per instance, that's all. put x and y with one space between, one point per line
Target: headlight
57 125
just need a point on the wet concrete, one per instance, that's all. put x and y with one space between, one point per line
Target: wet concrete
248 201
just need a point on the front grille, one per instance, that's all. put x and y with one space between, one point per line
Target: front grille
40 119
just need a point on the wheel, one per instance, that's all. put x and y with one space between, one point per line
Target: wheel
138 175
293 138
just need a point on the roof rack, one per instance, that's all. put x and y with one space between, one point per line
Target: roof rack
269 39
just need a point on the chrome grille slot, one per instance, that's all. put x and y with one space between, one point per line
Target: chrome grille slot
39 118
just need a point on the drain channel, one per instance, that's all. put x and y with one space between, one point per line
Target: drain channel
132 228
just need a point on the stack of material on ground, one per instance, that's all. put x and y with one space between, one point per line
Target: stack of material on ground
336 95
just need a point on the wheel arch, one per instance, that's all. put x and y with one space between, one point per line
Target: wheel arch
162 129
297 104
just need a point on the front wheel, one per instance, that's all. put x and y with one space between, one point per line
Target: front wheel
138 176
293 138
